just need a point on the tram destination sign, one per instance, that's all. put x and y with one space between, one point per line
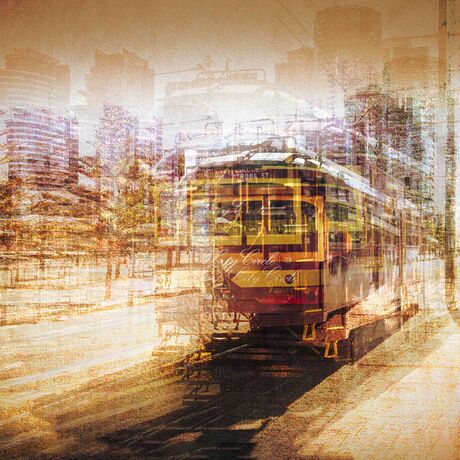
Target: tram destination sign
247 173
239 174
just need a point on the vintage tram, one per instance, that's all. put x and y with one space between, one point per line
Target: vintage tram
304 244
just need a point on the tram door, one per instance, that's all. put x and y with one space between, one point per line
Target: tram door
335 270
310 227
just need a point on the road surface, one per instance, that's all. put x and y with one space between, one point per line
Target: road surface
87 386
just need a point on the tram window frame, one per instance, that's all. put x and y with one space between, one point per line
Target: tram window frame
194 205
236 223
356 227
289 228
166 226
245 219
311 234
343 194
337 212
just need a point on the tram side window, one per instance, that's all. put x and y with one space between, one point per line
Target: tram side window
253 218
337 212
358 237
282 217
356 228
228 219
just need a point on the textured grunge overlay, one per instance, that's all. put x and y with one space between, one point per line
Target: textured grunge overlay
228 229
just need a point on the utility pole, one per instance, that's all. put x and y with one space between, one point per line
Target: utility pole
447 114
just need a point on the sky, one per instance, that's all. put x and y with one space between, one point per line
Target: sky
174 35
177 34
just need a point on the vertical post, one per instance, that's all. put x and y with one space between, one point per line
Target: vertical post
402 259
108 273
447 105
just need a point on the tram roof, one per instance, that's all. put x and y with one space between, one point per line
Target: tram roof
302 158
246 158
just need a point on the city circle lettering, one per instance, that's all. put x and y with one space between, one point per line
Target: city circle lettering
266 269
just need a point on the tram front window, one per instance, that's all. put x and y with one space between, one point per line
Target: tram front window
200 218
282 217
228 219
253 218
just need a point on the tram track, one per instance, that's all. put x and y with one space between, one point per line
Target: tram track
206 418
241 377
248 367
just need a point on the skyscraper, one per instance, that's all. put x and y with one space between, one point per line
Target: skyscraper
122 79
119 95
348 32
349 48
31 79
296 75
412 69
42 147
121 137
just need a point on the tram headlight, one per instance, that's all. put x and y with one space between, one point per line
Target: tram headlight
289 279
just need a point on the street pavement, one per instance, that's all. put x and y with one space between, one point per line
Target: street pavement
402 400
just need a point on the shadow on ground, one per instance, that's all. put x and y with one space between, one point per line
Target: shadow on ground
225 425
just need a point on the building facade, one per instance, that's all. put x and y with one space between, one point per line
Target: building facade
296 75
392 135
42 147
31 79
122 79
